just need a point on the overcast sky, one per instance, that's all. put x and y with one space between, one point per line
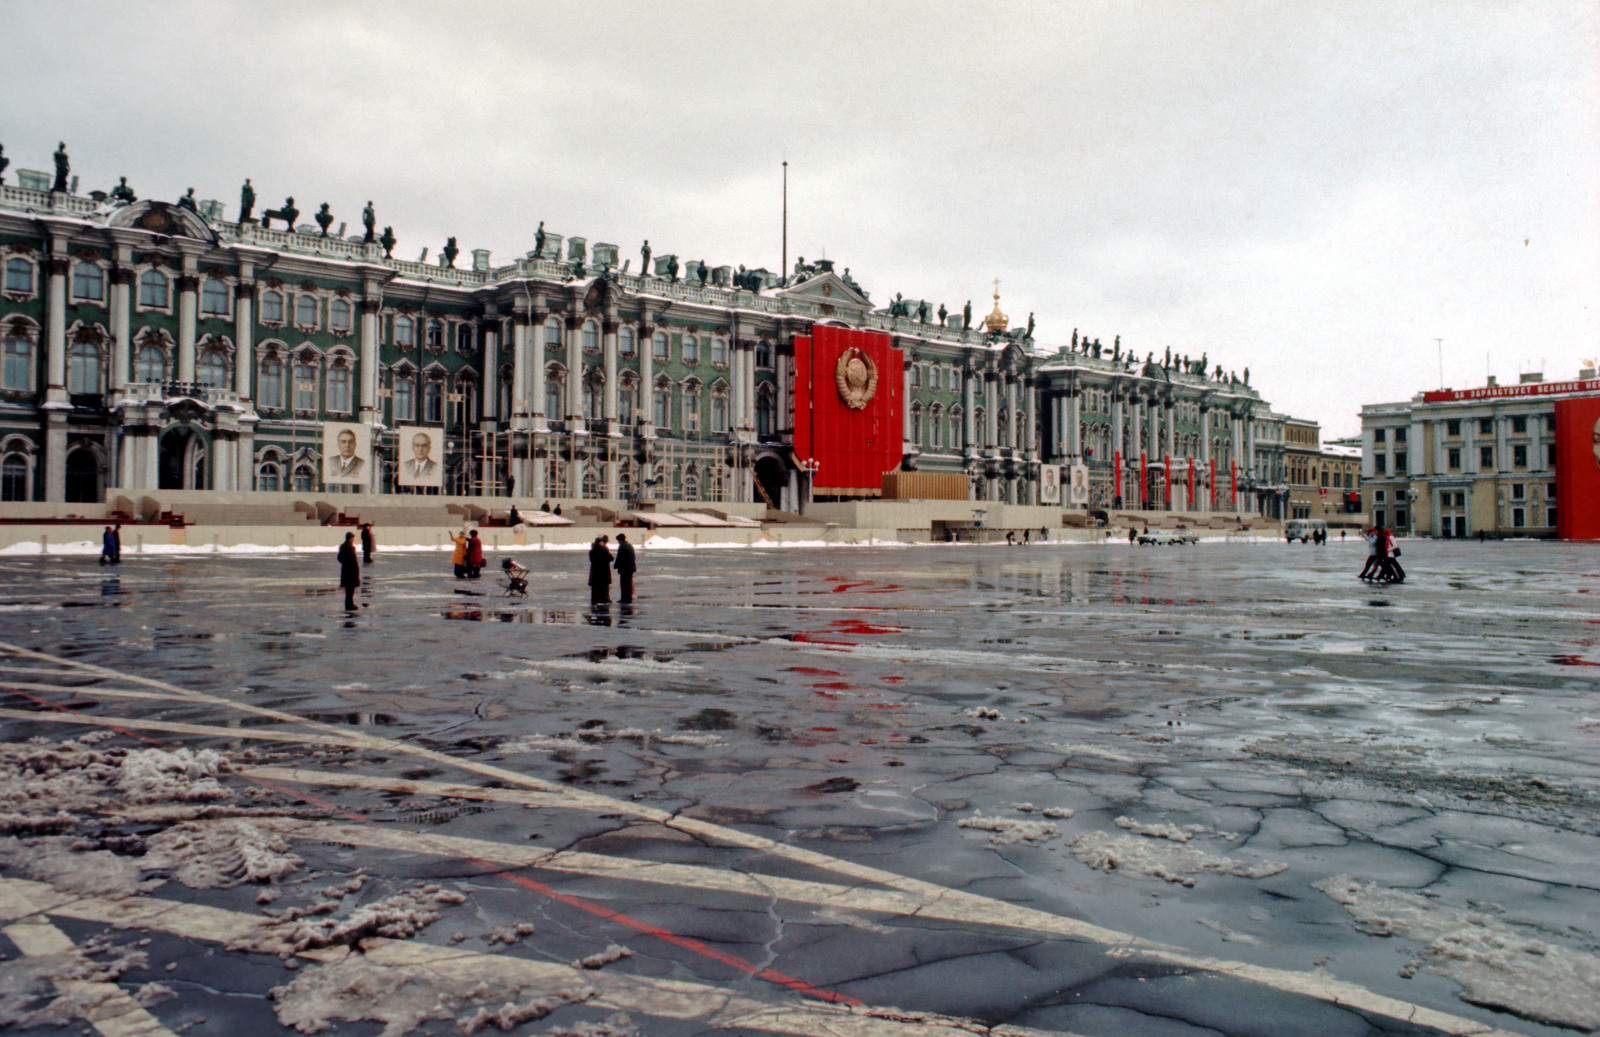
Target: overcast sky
1315 191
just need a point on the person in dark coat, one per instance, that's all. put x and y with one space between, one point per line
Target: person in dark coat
474 556
349 571
116 543
108 547
626 567
599 572
366 543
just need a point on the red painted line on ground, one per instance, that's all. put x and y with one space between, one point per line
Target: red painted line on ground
687 943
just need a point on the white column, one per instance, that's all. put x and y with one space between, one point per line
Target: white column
905 400
968 404
991 414
645 415
1030 418
1118 444
1075 425
1010 435
369 355
536 363
491 369
574 373
244 360
188 305
121 301
57 267
608 403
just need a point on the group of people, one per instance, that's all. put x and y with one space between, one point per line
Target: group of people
468 555
1383 554
111 545
600 565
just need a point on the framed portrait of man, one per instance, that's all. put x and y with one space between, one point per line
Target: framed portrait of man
346 453
1078 485
1050 484
419 456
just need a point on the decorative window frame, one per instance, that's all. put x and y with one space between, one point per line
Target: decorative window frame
344 298
403 371
434 376
690 341
285 301
28 450
19 253
589 337
465 337
221 345
92 258
21 326
435 335
764 354
140 272
689 404
664 341
305 353
627 341
411 330
767 403
229 287
719 344
340 358
273 349
552 323
97 336
555 380
306 290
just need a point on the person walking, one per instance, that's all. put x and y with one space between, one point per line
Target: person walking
366 543
349 571
474 556
626 567
108 547
1389 558
1370 570
599 572
458 557
116 544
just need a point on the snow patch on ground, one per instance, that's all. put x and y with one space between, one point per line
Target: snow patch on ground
1146 858
1498 965
74 868
398 916
220 855
52 990
158 776
1008 830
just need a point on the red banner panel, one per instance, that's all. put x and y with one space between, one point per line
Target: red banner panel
1578 469
852 445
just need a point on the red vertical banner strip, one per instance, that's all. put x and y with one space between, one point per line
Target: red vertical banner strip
1213 483
1577 500
1116 468
804 449
1233 483
1166 480
1144 479
1191 501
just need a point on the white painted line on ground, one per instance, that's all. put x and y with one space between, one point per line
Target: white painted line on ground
109 1008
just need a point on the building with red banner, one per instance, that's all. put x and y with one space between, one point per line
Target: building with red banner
152 345
1501 460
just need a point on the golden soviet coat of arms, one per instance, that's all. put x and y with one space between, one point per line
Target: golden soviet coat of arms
857 378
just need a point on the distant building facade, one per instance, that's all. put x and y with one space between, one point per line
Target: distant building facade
150 345
1465 463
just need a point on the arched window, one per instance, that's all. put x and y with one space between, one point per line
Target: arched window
591 337
269 476
627 399
338 389
659 347
18 374
405 399
552 392
916 376
763 353
507 374
916 421
214 298
624 483
719 411
339 315
305 311
691 486
593 391
765 412
212 369
1019 435
271 307
464 344
88 282
591 484
661 405
14 477
719 352
404 332
935 424
433 401
305 478
956 431
154 289
83 374
933 377
552 333
269 387
691 349
19 276
435 341
305 384
691 407
625 342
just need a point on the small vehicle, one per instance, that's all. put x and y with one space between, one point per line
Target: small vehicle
1303 530
1157 537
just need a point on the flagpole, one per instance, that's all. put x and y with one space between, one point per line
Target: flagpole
783 270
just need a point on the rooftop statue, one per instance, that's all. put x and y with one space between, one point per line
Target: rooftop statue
287 214
966 315
922 312
1074 340
247 202
538 241
1247 376
324 218
63 166
450 252
944 314
1168 361
4 162
644 259
123 194
388 241
672 268
1030 325
369 220
703 272
188 202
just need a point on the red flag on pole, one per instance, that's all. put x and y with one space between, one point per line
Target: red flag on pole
1166 480
1213 483
1233 483
1117 469
1191 482
1143 482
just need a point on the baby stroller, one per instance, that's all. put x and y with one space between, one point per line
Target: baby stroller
516 577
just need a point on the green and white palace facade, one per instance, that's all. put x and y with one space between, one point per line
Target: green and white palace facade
151 345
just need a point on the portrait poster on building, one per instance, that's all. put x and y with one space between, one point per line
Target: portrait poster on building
421 456
1078 485
1578 469
346 453
1050 484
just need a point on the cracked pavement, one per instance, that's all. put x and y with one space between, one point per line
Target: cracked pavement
754 778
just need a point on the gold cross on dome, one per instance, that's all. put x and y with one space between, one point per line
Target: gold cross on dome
997 289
